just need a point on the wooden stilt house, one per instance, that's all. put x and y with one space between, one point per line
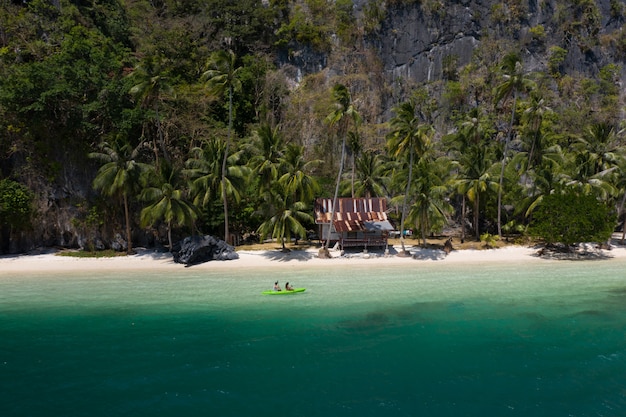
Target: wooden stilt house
357 222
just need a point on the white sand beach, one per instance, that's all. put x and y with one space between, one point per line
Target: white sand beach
153 260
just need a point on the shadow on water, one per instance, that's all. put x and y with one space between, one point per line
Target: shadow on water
618 292
592 313
393 317
617 297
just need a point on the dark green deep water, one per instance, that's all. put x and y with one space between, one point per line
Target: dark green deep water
541 339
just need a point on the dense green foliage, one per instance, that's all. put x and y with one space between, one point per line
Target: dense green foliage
15 210
15 204
572 218
209 90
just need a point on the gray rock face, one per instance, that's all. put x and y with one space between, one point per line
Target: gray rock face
199 249
417 37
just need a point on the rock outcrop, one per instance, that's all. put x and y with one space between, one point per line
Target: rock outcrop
195 250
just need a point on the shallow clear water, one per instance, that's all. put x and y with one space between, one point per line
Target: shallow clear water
543 339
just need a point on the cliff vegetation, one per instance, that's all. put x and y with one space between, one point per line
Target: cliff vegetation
138 122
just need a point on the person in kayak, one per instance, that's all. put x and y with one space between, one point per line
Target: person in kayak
288 287
277 287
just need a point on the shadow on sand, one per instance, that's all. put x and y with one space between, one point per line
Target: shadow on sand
294 255
428 254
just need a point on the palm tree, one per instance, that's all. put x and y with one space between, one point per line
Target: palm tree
475 178
119 176
474 158
430 207
296 178
585 178
515 81
595 162
371 179
152 83
223 76
620 184
204 168
354 145
533 117
342 107
168 201
407 136
472 132
602 145
268 149
285 215
547 178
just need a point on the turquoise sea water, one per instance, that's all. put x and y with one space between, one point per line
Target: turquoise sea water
432 339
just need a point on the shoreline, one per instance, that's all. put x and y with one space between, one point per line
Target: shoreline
150 260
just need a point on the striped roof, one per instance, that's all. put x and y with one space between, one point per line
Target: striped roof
351 213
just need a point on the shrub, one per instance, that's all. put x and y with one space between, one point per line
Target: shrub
572 218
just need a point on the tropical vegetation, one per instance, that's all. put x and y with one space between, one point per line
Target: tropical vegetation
170 118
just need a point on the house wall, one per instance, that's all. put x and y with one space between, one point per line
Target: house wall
335 237
323 233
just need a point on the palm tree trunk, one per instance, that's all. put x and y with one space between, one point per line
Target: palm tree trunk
506 148
621 212
353 170
463 219
160 134
532 150
406 194
224 164
332 210
129 246
169 235
476 217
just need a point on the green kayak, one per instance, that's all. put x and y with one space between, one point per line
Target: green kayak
272 292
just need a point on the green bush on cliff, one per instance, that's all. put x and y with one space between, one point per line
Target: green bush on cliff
15 204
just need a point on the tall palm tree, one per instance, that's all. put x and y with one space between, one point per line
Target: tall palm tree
342 108
204 169
430 207
546 174
408 135
268 149
620 184
585 179
168 201
533 117
595 161
285 215
473 130
547 178
223 76
371 179
119 176
601 142
475 178
354 145
296 178
152 84
515 82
